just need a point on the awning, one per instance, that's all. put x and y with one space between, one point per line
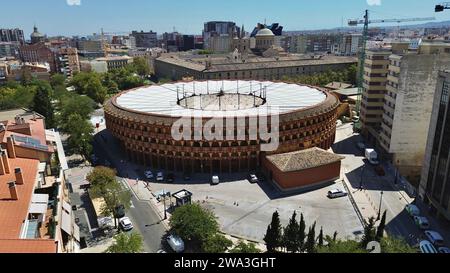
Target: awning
66 206
76 232
39 198
38 208
66 222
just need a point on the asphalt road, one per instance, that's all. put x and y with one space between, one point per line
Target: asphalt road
142 215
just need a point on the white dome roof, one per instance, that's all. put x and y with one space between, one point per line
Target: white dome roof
265 32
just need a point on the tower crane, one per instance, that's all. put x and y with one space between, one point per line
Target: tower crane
365 22
442 6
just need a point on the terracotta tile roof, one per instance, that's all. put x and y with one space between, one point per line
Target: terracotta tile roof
27 246
14 212
302 160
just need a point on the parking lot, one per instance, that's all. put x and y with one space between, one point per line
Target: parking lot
244 209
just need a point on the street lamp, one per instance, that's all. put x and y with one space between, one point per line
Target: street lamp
379 208
164 202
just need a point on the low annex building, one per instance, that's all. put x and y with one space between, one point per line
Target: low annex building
302 169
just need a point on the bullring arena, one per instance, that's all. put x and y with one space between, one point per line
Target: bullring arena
142 120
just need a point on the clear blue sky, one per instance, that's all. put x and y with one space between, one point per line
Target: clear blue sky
56 17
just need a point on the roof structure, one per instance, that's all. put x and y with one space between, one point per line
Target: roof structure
162 99
304 159
27 246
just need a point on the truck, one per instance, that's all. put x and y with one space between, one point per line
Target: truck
372 156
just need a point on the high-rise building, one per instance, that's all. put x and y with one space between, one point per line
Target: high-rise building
68 62
9 49
12 35
218 28
374 87
407 103
434 186
310 43
145 39
350 44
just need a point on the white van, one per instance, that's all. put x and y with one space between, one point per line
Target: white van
434 237
427 247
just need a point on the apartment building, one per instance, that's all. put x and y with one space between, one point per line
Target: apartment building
374 88
434 186
407 105
68 61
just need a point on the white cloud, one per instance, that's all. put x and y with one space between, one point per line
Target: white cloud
374 2
73 2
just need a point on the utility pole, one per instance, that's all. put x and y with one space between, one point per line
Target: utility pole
379 208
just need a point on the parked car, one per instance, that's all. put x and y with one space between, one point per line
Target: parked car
176 243
422 222
371 156
412 210
215 180
444 249
427 247
148 174
170 178
434 237
161 251
125 224
159 176
253 178
336 193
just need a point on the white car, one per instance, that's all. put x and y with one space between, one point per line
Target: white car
427 247
125 224
148 174
215 180
422 222
444 250
176 243
412 210
159 176
434 237
336 193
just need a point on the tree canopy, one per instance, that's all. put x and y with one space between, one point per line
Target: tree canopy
126 243
242 247
216 243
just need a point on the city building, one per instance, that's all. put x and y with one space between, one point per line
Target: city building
236 65
220 43
435 180
36 36
350 44
90 48
312 43
376 67
218 28
142 120
67 61
105 64
407 102
38 53
276 29
145 39
35 212
12 35
9 49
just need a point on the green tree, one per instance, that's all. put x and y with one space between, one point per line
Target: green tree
320 239
242 247
369 232
290 235
338 246
335 236
42 102
352 73
74 104
194 223
99 178
273 237
90 84
216 243
381 227
141 66
126 243
80 135
310 244
395 245
301 233
57 80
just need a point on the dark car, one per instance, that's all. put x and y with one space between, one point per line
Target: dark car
170 178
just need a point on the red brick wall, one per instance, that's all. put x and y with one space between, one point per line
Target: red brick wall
308 177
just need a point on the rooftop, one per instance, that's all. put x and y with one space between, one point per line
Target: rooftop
27 246
162 99
304 159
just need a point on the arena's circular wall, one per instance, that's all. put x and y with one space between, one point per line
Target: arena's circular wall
142 120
